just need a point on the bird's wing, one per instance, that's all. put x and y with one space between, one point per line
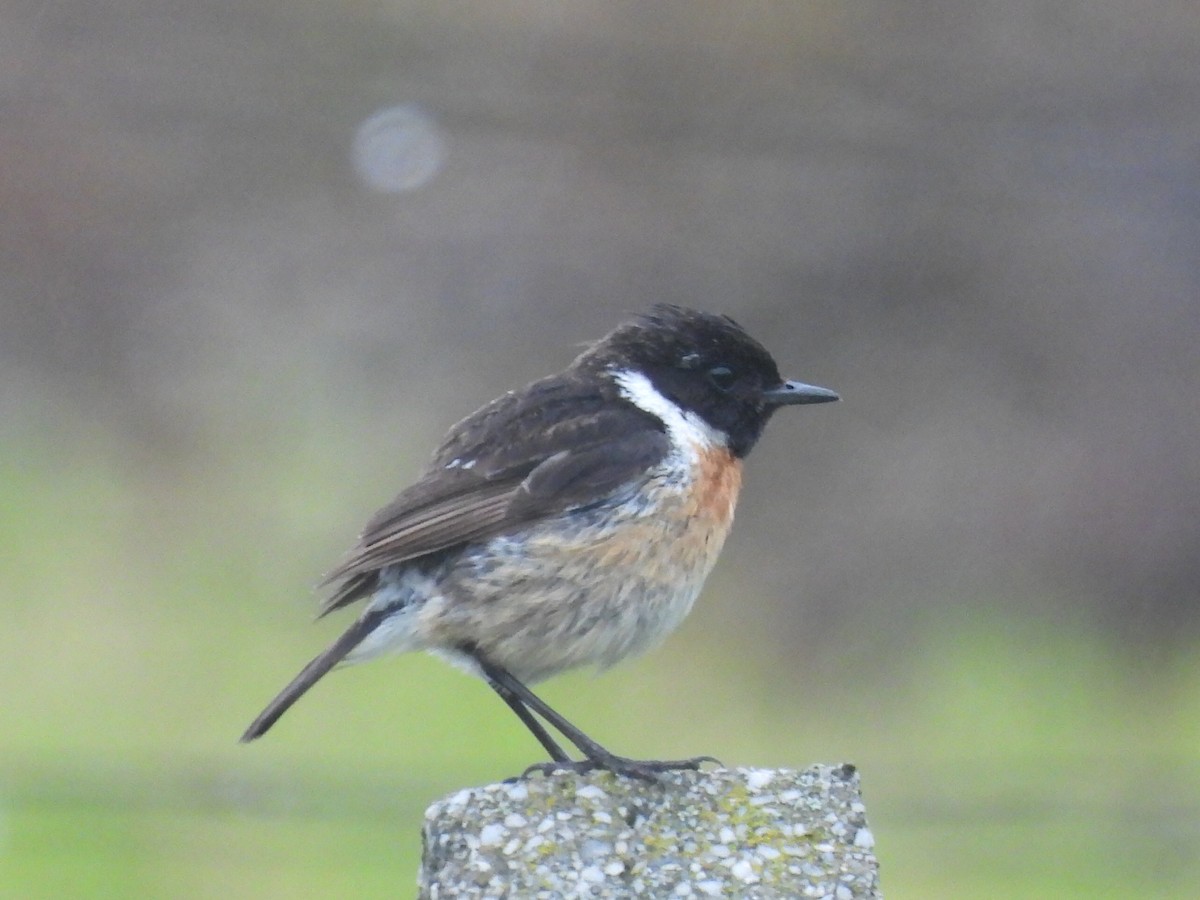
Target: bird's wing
514 461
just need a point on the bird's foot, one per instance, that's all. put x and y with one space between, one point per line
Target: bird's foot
644 769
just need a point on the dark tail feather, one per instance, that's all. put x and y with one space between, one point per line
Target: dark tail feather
311 674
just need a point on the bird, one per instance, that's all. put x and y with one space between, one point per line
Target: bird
570 523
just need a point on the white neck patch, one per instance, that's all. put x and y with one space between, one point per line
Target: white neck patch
687 430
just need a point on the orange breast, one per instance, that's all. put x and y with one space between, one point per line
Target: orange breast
717 484
678 541
707 513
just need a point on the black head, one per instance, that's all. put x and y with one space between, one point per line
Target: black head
706 365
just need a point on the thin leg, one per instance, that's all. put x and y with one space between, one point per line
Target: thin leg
514 703
556 752
528 698
523 700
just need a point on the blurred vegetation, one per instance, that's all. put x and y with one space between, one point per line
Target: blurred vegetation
1001 755
223 345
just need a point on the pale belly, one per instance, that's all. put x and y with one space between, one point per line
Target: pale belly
542 603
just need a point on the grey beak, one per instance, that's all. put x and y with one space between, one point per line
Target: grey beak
792 393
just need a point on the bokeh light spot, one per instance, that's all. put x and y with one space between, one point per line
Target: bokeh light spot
398 149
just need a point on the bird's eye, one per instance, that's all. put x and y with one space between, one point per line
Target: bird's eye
722 377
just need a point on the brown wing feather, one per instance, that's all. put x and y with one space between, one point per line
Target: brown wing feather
411 533
518 469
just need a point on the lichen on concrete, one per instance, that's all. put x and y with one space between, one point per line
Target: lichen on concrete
755 833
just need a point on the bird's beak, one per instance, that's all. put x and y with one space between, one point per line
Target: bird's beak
793 393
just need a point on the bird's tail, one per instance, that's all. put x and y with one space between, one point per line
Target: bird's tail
311 674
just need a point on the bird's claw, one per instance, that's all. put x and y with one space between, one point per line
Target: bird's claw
644 769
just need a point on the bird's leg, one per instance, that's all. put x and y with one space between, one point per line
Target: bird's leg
522 700
556 752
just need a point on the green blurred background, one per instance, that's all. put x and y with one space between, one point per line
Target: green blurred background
256 256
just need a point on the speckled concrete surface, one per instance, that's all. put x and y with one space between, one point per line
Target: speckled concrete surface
755 833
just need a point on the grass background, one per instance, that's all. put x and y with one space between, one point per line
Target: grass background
149 617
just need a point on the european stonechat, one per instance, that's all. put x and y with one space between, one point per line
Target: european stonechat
569 523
